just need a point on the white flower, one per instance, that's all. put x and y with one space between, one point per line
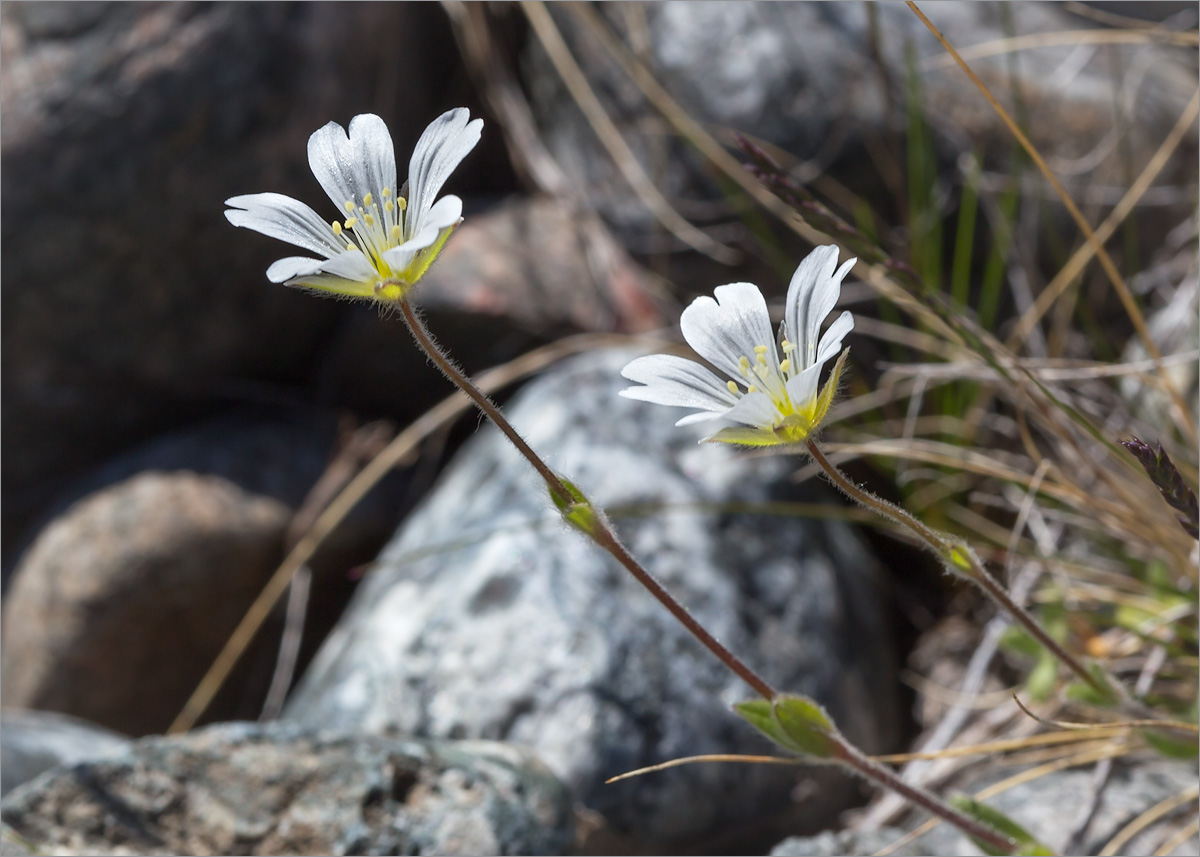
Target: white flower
775 399
386 236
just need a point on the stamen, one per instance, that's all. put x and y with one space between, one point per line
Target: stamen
396 233
369 220
788 347
350 245
368 199
752 389
785 366
337 228
387 193
760 349
351 222
762 358
402 202
733 388
389 206
350 206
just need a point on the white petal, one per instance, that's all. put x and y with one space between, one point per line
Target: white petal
446 141
447 211
350 167
831 339
351 265
677 382
700 417
399 258
802 389
812 294
754 409
724 330
292 266
287 219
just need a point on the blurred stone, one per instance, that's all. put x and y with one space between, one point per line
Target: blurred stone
141 572
131 305
32 742
246 789
823 80
121 604
487 618
1047 807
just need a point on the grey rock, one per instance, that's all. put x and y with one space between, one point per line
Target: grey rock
278 789
842 842
131 305
487 618
1048 808
803 77
35 741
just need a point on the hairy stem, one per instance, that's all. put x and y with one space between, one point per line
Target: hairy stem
602 532
948 551
931 803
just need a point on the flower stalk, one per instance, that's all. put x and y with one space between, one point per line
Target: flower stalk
576 508
960 560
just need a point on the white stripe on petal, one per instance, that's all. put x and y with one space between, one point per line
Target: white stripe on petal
724 330
286 219
372 150
754 409
831 339
812 294
442 147
350 167
672 380
293 266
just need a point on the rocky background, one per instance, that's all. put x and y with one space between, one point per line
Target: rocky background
468 671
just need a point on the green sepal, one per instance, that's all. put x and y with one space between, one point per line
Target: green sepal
579 512
1172 748
1025 843
795 723
744 436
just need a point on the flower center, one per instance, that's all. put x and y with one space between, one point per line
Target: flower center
375 231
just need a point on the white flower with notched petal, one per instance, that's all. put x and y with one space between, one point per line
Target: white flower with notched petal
386 236
775 399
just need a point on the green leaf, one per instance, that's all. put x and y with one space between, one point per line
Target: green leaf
1078 691
1171 747
757 712
795 723
1002 824
806 725
1043 678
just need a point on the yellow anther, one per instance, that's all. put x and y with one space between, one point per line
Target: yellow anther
387 192
368 199
761 359
760 349
349 206
369 220
351 222
752 389
337 228
402 202
733 388
389 206
785 366
744 364
396 232
350 245
788 347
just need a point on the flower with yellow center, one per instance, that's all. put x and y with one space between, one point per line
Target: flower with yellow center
772 388
386 236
